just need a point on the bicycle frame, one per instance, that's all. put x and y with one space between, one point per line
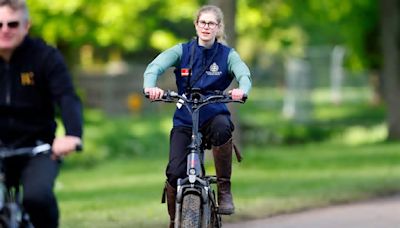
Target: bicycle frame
196 182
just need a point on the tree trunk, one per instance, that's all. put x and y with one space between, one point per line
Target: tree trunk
391 74
228 7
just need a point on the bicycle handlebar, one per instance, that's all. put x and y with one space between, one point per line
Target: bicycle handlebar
6 152
216 97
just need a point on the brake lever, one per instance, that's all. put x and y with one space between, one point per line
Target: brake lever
41 148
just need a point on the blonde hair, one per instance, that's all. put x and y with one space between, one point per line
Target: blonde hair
221 36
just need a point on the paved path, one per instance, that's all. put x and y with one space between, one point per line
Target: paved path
378 213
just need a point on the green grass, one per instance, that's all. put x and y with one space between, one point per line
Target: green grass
121 193
127 193
278 180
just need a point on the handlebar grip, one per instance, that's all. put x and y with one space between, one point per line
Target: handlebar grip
244 97
146 94
166 94
79 147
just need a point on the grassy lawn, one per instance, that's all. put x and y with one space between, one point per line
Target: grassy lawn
127 193
279 180
123 193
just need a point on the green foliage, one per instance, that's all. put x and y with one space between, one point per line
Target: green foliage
262 122
127 25
289 27
285 133
300 133
108 138
279 27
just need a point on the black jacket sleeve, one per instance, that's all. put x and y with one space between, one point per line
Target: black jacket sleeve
63 93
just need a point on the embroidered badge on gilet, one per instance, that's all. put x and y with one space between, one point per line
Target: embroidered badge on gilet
214 70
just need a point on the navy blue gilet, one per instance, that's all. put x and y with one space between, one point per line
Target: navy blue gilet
209 73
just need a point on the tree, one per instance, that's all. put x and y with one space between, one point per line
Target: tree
129 26
229 9
390 24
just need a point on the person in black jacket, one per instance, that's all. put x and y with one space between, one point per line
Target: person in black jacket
34 85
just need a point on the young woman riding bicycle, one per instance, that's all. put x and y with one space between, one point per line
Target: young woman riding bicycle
209 64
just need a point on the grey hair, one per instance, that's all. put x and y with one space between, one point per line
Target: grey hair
221 36
17 5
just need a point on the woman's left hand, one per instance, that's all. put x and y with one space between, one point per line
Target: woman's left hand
237 94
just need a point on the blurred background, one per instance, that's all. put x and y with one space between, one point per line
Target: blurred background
321 125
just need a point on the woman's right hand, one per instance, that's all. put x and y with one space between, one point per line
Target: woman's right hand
154 93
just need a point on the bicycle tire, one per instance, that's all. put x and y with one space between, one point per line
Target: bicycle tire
191 211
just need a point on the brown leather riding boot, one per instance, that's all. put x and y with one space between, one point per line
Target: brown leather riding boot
223 167
171 196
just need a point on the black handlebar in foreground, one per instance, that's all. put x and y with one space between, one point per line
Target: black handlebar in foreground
6 152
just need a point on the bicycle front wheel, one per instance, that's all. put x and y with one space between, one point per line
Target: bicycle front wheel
191 211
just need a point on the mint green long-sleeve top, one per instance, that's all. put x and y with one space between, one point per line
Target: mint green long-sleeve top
172 56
